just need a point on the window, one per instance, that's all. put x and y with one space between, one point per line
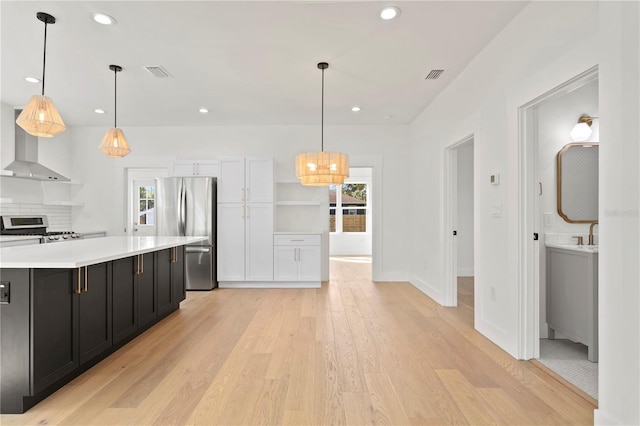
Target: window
348 208
146 205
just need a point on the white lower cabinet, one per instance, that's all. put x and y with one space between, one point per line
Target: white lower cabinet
245 242
296 257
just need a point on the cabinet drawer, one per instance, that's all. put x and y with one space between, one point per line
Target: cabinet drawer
296 240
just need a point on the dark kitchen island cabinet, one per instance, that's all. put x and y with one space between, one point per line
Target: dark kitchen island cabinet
61 321
170 279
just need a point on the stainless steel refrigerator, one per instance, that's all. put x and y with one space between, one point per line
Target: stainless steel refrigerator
186 206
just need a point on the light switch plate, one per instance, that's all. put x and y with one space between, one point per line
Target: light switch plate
496 210
4 291
495 179
548 220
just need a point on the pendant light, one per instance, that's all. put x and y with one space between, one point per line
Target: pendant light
114 144
322 168
40 117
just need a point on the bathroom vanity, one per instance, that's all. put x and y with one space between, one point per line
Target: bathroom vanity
572 294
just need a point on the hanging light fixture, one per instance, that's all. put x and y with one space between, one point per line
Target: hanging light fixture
40 117
114 144
322 168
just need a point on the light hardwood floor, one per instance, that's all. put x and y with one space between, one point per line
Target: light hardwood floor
353 352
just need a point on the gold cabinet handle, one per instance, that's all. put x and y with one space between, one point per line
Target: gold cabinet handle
86 278
142 264
78 289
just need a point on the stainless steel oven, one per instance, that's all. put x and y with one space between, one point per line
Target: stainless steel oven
34 225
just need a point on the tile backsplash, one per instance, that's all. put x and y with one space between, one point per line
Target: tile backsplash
59 216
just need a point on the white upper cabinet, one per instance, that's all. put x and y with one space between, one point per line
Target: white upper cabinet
245 180
259 180
196 168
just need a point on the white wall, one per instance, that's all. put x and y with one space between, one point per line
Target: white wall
546 45
619 267
465 210
522 62
556 118
157 147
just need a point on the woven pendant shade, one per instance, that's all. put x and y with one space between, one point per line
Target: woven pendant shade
322 168
114 144
40 117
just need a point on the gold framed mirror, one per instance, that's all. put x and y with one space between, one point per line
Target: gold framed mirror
577 189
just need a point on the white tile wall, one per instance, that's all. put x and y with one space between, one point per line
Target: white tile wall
59 216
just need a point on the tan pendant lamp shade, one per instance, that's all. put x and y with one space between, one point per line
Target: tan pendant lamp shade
40 116
322 168
114 144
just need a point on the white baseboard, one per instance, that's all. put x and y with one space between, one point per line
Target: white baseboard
602 418
269 284
424 287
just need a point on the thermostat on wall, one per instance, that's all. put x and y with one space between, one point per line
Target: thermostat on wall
494 178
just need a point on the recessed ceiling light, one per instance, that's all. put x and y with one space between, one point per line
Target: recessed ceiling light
388 117
32 79
203 110
389 12
355 108
103 19
98 111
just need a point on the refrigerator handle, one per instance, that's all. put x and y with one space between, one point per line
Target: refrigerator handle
182 209
186 212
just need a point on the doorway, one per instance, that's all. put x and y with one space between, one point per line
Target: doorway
141 189
544 125
351 214
459 219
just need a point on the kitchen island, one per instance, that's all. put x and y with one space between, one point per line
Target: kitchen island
66 306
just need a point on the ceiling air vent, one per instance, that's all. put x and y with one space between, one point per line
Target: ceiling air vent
157 71
434 74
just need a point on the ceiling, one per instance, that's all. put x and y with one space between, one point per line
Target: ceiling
249 63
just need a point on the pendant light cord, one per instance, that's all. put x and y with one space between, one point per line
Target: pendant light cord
322 116
115 99
44 57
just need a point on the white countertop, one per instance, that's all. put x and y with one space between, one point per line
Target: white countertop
74 254
7 238
575 247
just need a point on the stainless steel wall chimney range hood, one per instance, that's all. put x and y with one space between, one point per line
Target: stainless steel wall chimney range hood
26 164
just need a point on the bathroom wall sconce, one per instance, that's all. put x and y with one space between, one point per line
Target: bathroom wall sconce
582 130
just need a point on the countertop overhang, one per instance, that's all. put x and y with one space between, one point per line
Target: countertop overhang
574 247
75 254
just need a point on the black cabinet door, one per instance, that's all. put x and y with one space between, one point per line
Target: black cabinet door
54 320
177 277
125 298
95 310
147 305
163 273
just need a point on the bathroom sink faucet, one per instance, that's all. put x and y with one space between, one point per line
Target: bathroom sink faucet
591 232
